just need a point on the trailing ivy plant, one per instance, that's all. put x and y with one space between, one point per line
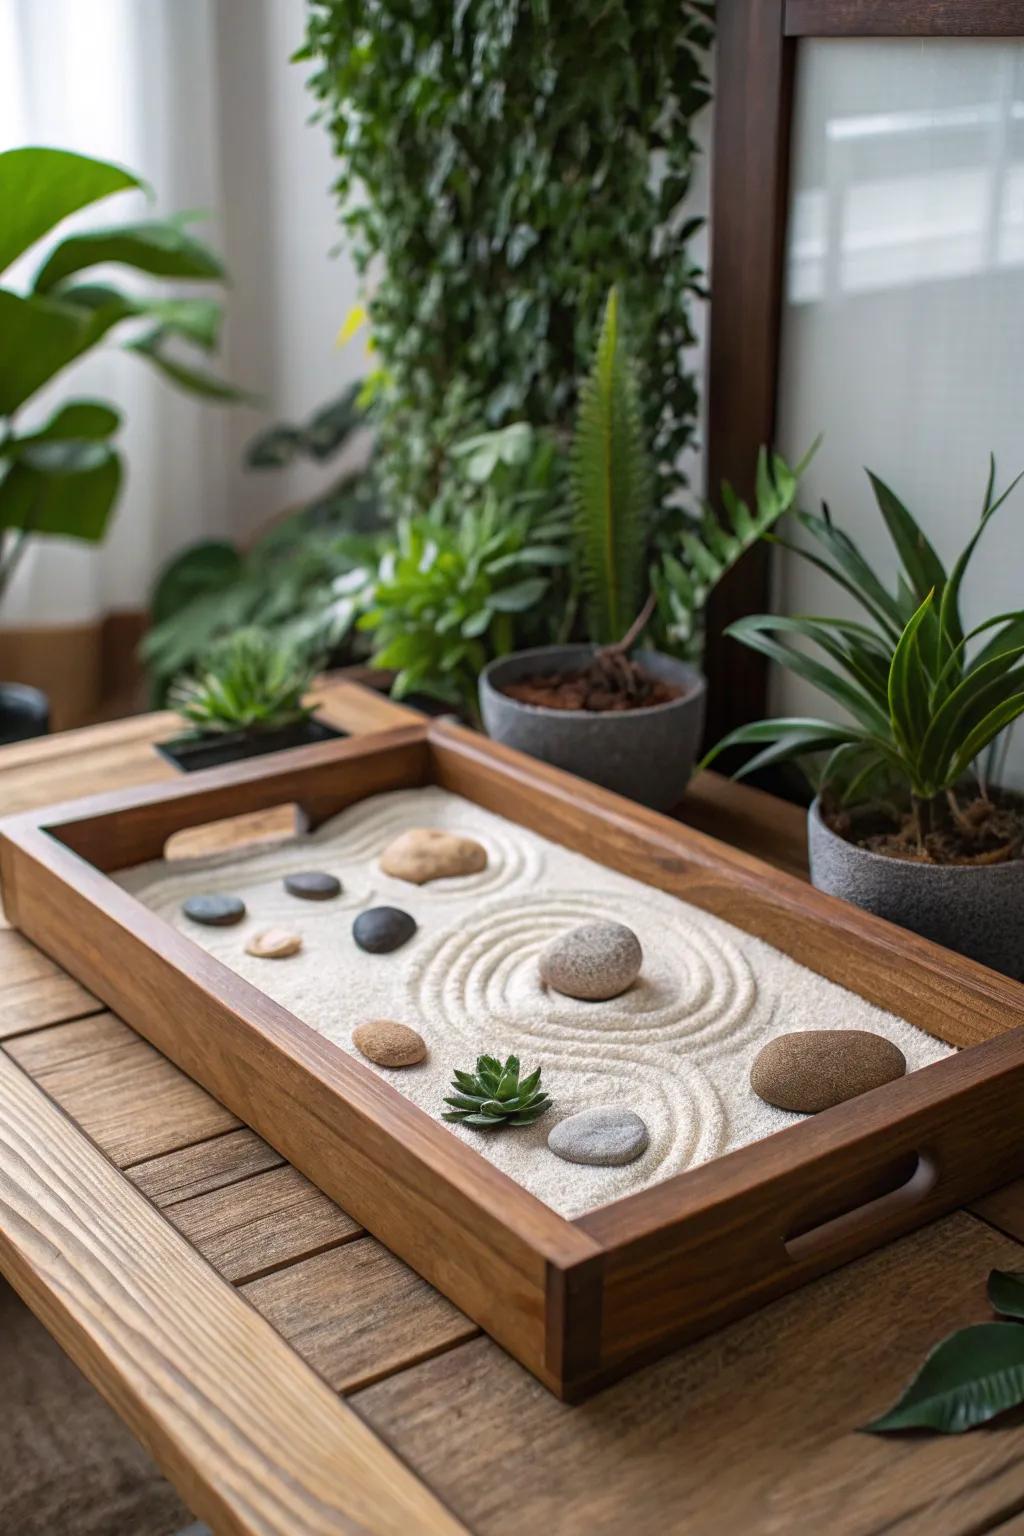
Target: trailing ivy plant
922 698
498 188
972 1376
61 477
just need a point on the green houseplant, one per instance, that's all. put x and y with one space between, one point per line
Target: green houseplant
303 577
492 249
60 476
909 821
630 722
246 697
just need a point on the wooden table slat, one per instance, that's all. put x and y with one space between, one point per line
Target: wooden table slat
172 1177
34 991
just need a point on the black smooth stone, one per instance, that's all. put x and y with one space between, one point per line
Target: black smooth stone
214 911
312 885
382 929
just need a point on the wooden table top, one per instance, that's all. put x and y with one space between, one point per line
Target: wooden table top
290 1376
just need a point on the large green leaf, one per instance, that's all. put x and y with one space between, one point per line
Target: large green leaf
206 385
40 337
39 187
77 420
969 1378
1006 1292
158 246
207 567
57 492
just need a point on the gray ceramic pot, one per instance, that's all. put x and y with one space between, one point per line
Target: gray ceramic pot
645 754
977 909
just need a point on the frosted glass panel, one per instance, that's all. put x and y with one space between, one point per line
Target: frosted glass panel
903 319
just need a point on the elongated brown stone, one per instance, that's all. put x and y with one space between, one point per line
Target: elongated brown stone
812 1069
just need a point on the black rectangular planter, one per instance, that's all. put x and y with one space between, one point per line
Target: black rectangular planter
190 753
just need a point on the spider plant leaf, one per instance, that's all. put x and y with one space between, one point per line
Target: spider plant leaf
987 730
805 733
921 563
862 706
969 1378
1012 635
908 685
879 613
983 688
860 579
949 611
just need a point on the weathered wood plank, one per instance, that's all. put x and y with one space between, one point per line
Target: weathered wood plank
254 1441
34 991
357 1313
752 1430
213 1164
131 1100
249 1229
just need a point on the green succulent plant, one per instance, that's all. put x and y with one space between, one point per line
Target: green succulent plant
249 681
923 699
496 1095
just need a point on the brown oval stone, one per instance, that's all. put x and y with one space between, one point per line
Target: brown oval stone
274 944
428 853
389 1044
812 1069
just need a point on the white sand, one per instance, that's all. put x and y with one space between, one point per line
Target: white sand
676 1048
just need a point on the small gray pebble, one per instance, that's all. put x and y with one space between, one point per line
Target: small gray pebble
604 1137
592 962
214 911
382 929
312 885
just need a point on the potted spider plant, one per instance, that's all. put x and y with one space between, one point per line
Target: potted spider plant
247 698
909 821
629 719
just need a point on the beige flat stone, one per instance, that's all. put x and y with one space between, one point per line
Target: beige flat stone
274 944
389 1044
428 853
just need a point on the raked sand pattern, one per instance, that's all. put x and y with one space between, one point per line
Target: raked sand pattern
676 1048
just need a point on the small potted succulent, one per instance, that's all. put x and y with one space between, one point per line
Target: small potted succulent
628 719
247 698
910 820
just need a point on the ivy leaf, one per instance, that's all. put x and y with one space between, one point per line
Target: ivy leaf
971 1377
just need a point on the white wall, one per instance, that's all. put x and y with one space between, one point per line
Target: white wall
904 319
199 97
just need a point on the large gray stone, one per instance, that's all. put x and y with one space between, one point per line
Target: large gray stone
592 962
644 754
976 909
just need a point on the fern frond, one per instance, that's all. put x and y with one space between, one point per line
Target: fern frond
610 481
710 552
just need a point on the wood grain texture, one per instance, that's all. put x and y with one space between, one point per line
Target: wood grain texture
252 1438
251 1228
576 1302
357 1314
753 1430
904 18
211 1164
745 818
34 991
1003 1208
129 1098
750 161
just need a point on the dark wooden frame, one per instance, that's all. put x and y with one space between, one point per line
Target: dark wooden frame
576 1301
754 75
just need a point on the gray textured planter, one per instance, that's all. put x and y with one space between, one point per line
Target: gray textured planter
975 909
645 754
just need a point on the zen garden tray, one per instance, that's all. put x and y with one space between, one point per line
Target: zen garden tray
580 1281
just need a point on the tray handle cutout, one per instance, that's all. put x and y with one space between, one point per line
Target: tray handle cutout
846 1228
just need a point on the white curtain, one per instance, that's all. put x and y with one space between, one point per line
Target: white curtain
199 97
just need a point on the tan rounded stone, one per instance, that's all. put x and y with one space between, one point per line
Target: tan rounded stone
389 1044
274 944
813 1069
428 853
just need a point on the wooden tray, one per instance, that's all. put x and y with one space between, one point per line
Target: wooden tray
576 1301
